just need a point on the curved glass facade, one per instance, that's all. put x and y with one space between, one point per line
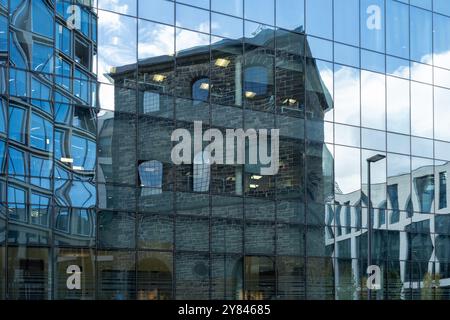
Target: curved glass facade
93 206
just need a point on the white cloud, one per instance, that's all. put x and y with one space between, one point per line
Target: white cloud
155 40
114 5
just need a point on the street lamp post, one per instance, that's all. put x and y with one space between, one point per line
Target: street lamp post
370 160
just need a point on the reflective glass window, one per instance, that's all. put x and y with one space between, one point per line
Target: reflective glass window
84 119
32 267
62 8
319 48
41 133
421 110
62 220
372 25
2 156
116 272
82 220
347 95
118 46
422 147
441 40
200 90
442 150
443 190
40 171
152 40
373 61
441 77
151 175
83 153
17 124
398 111
42 57
256 80
424 187
119 6
397 29
346 22
3 118
85 21
260 11
291 14
116 230
3 34
192 18
319 17
82 53
63 70
422 73
201 172
232 7
81 85
426 4
398 143
40 209
157 10
441 6
226 26
60 151
18 83
348 170
42 18
373 100
41 95
155 276
347 135
373 139
421 35
198 3
62 109
347 55
16 203
17 165
441 114
63 40
17 56
398 67
64 260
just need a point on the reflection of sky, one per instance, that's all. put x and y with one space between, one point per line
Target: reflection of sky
374 112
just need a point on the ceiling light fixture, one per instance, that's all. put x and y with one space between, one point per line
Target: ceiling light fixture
223 63
250 94
204 86
159 77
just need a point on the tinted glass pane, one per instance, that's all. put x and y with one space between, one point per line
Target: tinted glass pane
17 124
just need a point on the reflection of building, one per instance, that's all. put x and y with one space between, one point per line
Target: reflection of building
219 219
47 144
411 229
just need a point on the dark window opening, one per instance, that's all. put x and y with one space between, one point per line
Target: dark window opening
425 192
82 53
200 90
256 82
442 190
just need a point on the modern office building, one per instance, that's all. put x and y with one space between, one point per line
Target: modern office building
93 205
